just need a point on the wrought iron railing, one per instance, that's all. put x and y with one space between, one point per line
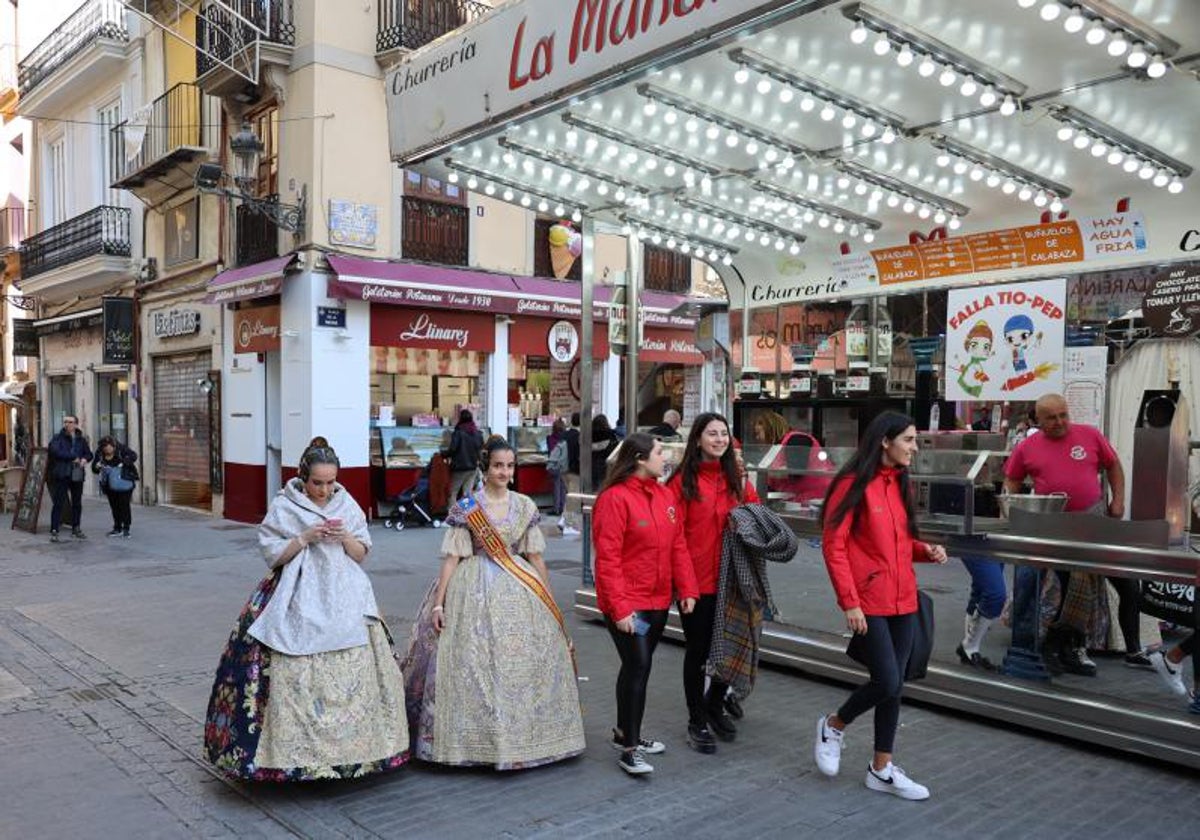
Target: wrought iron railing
220 34
104 230
182 117
12 228
257 235
414 23
94 19
434 231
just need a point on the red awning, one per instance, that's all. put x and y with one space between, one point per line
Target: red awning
249 281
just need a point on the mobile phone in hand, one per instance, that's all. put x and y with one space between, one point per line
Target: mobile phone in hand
333 524
640 625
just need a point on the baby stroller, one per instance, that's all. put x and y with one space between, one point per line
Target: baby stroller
425 501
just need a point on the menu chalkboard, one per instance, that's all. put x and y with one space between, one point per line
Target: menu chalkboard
29 502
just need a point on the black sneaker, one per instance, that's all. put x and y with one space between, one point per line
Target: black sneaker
1073 662
1139 659
975 660
733 706
115 532
632 762
54 536
125 533
700 739
78 534
647 746
721 724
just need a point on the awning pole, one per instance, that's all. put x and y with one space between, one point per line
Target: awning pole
586 374
633 333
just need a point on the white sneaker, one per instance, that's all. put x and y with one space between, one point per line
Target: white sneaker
1172 677
568 531
828 749
634 764
891 779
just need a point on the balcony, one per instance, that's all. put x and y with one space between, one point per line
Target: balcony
241 40
79 257
408 24
257 236
88 45
183 128
434 232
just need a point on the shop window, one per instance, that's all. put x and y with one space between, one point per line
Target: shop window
543 265
434 231
666 270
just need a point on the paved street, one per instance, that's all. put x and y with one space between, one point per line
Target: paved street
107 649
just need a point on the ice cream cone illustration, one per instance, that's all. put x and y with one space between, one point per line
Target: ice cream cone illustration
566 245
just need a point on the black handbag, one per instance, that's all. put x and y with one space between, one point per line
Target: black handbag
922 649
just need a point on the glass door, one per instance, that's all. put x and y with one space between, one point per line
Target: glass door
112 406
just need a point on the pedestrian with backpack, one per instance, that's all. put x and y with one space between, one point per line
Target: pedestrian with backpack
118 477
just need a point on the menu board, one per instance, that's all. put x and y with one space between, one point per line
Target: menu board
1172 304
29 500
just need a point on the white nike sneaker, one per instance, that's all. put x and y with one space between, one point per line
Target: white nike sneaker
828 748
1172 677
892 779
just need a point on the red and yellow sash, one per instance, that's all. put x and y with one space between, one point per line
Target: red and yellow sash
496 547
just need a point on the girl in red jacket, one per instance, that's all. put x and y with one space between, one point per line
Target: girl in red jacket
709 484
641 562
870 543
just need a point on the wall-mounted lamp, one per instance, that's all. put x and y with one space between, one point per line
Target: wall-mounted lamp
247 149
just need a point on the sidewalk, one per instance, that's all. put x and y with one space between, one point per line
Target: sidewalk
108 646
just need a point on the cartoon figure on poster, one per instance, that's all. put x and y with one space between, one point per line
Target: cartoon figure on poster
1012 341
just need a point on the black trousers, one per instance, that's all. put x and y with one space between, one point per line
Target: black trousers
636 653
889 643
60 489
119 504
698 633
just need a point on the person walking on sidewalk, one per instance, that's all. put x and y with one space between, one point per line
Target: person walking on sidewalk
571 520
1067 458
465 443
870 542
307 687
118 477
641 559
69 457
707 485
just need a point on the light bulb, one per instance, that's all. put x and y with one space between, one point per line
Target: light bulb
763 86
869 237
961 167
1025 4
1050 11
1056 205
905 56
1025 194
882 45
770 155
955 223
947 76
893 201
843 182
1099 149
859 33
807 103
849 120
1115 156
976 174
576 217
1074 22
508 195
691 126
839 226
526 201
656 238
763 240
472 182
727 260
712 132
940 217
1096 34
868 129
969 86
453 179
926 67
786 95
988 98
1175 187
1009 187
732 140
490 189
860 188
751 147
909 206
823 222
1118 45
923 212
741 76
650 108
1065 133
1146 172
889 135
1137 57
1156 68
670 118
827 113
794 249
1008 107
993 180
1040 200
559 210
1161 179
1131 165
1081 141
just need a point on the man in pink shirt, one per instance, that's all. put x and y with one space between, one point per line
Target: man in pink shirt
1068 458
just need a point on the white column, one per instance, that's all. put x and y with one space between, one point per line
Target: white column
610 388
243 403
495 385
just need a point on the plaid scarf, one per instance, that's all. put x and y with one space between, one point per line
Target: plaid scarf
754 534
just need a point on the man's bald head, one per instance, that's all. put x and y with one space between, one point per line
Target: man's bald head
672 418
1052 415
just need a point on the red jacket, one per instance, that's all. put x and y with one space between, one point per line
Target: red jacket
641 556
871 564
704 520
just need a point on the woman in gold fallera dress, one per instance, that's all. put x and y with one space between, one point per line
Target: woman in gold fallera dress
489 675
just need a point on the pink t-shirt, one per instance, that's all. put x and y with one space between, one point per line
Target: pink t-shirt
1069 464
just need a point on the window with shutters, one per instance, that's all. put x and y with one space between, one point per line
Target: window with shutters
434 231
666 270
110 162
56 182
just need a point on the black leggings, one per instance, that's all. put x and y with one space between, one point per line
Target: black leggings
636 653
889 643
119 503
698 633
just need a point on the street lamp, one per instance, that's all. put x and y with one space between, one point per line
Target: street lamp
247 151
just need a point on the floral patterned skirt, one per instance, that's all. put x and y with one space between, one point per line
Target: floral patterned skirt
274 717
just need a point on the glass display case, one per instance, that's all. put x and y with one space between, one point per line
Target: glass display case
530 443
405 447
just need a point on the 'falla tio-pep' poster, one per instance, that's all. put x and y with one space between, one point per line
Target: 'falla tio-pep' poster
1006 342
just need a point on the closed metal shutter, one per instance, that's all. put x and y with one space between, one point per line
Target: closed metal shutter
182 429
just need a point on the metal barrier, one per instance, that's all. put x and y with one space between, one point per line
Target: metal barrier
94 19
414 23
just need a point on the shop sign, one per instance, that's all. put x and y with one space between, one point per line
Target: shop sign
535 50
532 336
245 291
117 315
176 323
563 341
70 325
1103 296
1172 306
668 346
256 329
1032 246
25 338
1005 342
396 327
